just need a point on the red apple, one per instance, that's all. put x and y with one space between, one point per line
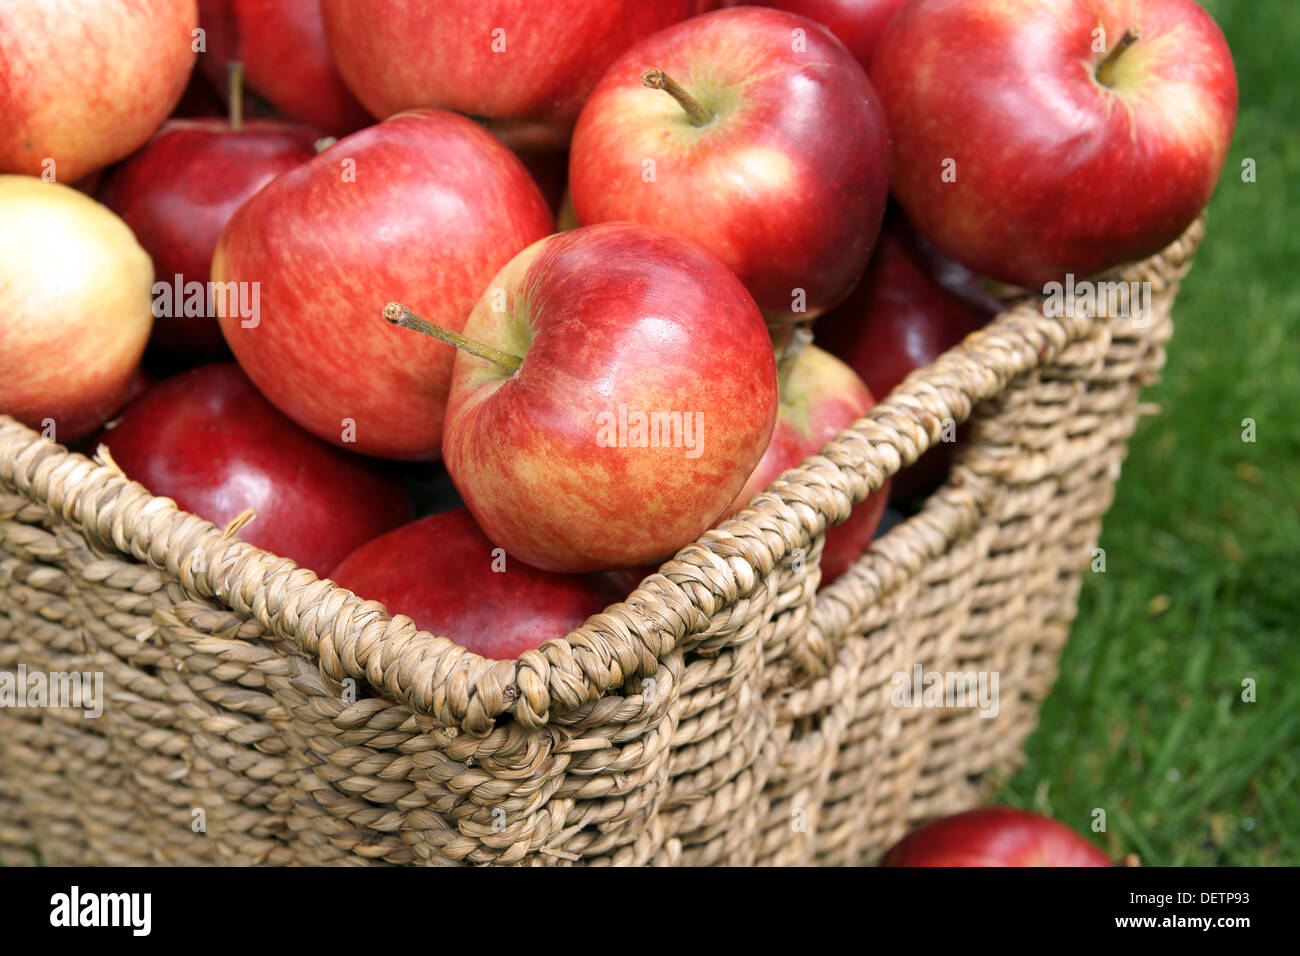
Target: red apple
633 392
85 82
898 320
523 66
762 141
994 836
426 207
208 440
820 397
1038 138
443 573
858 24
178 192
281 44
75 308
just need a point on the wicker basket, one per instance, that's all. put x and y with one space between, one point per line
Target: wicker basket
728 712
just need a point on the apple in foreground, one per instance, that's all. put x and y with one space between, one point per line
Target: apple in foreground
523 67
208 440
178 192
753 132
426 207
1038 138
820 397
994 836
443 573
858 24
75 308
629 389
282 48
84 82
896 321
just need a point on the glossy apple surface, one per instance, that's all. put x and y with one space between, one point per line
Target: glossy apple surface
819 399
784 179
424 208
858 24
1017 153
525 67
282 46
75 307
178 192
994 836
896 321
443 573
85 82
208 440
612 322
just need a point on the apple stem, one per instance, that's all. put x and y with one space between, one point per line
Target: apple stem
400 315
659 80
235 81
800 339
1106 69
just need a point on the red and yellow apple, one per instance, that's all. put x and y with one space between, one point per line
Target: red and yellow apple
994 836
75 307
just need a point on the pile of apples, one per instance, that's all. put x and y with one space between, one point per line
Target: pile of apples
295 278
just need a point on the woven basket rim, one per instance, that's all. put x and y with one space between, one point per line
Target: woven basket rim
433 676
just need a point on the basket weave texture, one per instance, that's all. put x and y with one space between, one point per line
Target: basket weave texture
728 712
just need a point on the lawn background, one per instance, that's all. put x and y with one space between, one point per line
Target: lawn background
1147 720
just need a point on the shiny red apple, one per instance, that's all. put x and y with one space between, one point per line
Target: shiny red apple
762 140
896 321
1038 138
524 67
178 192
858 24
443 573
208 440
632 393
820 397
85 82
281 44
425 207
994 836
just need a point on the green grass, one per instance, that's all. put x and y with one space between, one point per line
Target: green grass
1202 584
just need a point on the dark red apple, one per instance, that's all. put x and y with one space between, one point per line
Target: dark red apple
85 82
523 66
1038 138
994 836
632 392
281 44
761 140
425 207
443 573
898 320
820 397
178 192
208 440
858 24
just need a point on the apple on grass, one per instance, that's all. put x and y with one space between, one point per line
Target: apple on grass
896 321
443 573
281 45
208 440
1038 138
820 397
994 836
523 67
178 192
756 134
85 82
858 24
427 207
615 388
75 308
